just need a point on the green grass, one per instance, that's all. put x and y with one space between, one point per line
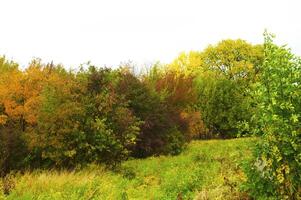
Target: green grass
205 170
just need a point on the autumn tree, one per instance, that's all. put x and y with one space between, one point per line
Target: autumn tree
228 71
19 100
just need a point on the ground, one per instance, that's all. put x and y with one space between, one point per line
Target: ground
205 170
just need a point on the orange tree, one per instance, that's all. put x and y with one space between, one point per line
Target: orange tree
19 103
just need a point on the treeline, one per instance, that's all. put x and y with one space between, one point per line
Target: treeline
52 117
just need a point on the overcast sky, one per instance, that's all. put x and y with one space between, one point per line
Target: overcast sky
108 32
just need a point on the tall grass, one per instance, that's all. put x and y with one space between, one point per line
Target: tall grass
206 170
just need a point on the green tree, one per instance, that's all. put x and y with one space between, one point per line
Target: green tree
223 84
276 170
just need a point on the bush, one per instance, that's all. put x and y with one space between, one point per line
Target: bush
222 104
175 143
276 170
51 117
82 120
223 83
156 100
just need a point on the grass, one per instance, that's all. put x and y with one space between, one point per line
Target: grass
205 170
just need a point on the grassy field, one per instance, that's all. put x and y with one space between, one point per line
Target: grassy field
205 170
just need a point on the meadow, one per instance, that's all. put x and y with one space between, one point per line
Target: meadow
104 133
205 170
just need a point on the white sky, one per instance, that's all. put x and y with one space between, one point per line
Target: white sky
108 32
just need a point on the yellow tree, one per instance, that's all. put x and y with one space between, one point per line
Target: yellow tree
187 63
233 59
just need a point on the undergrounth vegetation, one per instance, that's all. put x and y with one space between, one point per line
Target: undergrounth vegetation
205 170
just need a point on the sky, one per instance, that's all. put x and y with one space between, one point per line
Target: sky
108 32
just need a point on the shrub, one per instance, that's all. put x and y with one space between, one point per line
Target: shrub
276 170
222 104
82 120
156 100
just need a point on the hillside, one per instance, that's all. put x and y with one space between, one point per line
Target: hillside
205 170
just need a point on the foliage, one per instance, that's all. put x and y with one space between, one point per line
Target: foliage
166 130
51 117
13 116
54 118
222 104
83 120
223 85
187 63
234 59
275 171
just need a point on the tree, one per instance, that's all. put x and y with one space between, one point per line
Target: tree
10 141
275 171
187 63
160 100
18 105
234 59
228 71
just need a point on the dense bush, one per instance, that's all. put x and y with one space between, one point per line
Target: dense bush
229 70
275 172
51 117
82 120
156 99
223 75
223 104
